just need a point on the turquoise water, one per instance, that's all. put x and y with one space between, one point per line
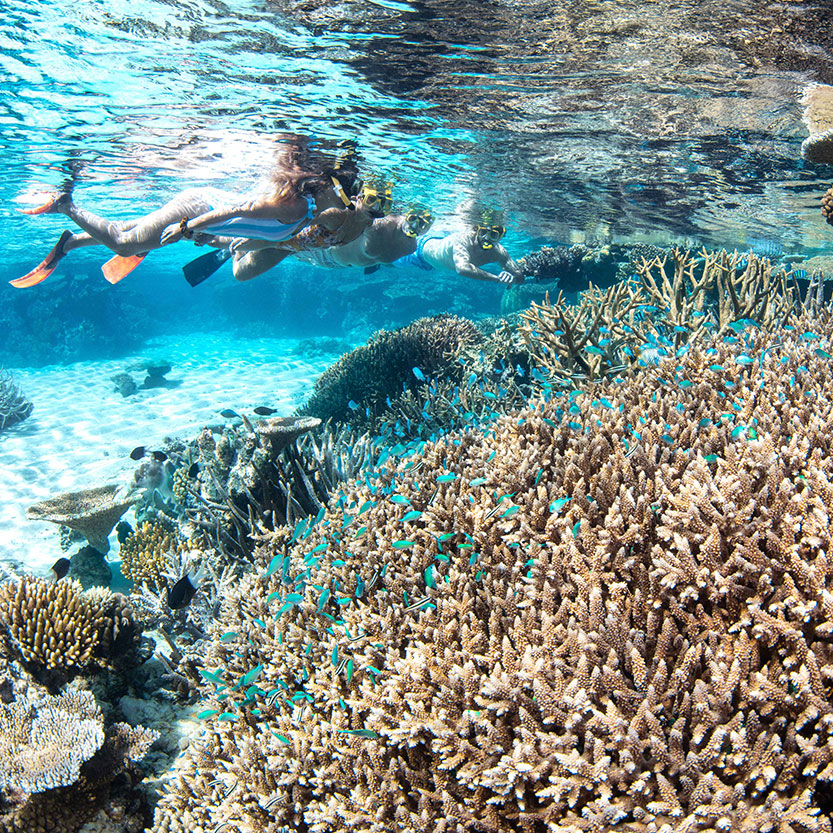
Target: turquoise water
606 123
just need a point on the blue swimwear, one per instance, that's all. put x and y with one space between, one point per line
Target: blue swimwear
416 259
262 228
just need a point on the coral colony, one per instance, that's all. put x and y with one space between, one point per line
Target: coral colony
575 575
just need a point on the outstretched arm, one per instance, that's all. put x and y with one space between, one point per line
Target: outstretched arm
464 266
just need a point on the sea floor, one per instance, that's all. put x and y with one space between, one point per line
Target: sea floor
82 430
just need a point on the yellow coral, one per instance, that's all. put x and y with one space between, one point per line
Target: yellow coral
144 553
57 626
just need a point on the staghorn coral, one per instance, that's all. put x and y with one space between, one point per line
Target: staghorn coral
14 407
58 761
382 367
58 627
552 626
93 512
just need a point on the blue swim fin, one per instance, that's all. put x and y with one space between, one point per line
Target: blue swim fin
204 266
369 270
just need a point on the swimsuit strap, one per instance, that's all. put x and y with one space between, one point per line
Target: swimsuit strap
310 206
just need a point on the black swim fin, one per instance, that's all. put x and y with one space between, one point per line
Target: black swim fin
369 270
204 266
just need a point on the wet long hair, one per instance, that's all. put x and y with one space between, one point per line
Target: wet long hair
305 166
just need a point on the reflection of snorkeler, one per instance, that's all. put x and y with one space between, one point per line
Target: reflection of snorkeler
465 252
305 186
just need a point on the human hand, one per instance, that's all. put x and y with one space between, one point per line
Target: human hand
241 245
171 234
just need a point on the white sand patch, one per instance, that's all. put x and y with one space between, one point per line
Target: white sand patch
82 429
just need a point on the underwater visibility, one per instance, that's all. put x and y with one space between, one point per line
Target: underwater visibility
416 416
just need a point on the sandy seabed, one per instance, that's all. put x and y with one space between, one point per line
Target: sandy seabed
82 429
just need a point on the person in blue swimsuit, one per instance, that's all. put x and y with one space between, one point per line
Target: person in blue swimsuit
466 252
306 187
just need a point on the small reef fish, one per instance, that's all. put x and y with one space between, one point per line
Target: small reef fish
182 592
141 450
123 529
60 568
419 374
262 410
194 470
228 413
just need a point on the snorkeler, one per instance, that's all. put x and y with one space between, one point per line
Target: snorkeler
466 252
305 188
380 241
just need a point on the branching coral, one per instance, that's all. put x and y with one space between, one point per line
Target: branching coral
382 367
14 407
56 626
609 612
144 553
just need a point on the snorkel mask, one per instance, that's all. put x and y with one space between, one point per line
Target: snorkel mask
417 221
487 236
489 229
376 198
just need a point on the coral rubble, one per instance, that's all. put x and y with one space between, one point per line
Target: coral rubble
611 611
14 406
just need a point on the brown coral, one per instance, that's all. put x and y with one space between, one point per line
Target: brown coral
93 512
620 622
144 553
827 205
57 626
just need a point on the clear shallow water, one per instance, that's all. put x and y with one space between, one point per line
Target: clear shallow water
595 120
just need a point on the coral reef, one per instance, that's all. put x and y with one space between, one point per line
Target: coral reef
635 322
611 611
58 761
357 385
144 552
827 205
93 512
58 627
14 407
562 264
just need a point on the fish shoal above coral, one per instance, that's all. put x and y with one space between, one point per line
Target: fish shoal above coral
610 611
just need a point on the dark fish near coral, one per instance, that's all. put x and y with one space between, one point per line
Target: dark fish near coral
137 453
262 410
60 568
123 529
228 413
159 455
194 470
182 592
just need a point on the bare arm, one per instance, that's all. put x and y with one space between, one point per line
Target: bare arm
464 266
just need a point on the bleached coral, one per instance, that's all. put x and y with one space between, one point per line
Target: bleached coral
616 618
14 406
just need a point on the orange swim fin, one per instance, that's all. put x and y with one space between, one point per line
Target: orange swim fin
46 267
46 207
119 267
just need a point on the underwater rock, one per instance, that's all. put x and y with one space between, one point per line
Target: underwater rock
93 512
89 567
125 384
14 407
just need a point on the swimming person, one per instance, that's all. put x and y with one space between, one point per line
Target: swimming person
387 239
466 252
304 184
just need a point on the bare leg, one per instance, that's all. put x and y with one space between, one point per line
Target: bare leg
132 237
252 264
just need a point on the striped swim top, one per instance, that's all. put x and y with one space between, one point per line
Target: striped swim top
262 228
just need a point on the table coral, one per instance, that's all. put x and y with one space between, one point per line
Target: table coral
612 611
